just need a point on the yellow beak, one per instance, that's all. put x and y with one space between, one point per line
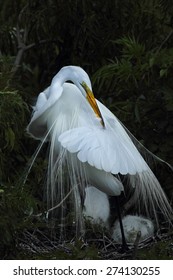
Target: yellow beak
91 99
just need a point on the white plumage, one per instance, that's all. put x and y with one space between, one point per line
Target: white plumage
133 224
95 145
96 206
89 145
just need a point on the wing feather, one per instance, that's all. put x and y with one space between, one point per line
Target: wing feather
106 149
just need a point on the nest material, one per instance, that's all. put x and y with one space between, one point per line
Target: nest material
48 244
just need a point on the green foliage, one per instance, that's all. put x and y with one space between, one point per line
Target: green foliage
13 114
16 208
159 251
142 79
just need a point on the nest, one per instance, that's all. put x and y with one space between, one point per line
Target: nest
47 243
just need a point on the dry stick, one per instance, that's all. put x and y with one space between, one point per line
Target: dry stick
136 244
20 42
58 205
22 47
166 39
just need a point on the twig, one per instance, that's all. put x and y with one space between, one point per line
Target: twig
59 204
136 244
55 207
166 39
21 42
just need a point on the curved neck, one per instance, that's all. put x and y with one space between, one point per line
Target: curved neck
62 76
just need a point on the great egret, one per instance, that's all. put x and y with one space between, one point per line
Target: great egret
133 224
89 145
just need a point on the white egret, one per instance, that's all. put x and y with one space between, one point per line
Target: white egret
89 145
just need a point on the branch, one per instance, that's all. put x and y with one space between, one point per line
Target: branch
21 45
166 39
56 206
22 48
136 244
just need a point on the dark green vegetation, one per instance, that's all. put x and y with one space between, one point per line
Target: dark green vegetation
126 48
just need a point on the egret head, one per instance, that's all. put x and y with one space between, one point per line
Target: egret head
74 74
81 79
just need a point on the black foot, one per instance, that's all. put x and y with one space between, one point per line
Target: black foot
124 248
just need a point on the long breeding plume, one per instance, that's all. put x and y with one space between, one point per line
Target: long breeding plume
90 146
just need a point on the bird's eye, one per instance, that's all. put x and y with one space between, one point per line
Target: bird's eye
69 82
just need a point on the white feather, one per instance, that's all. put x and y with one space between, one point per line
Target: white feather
132 225
96 206
104 148
91 154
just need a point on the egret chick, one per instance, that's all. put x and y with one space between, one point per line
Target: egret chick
132 224
96 206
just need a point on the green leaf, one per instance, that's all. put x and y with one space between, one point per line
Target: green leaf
163 72
10 138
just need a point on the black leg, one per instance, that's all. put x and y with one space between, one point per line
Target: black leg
124 244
